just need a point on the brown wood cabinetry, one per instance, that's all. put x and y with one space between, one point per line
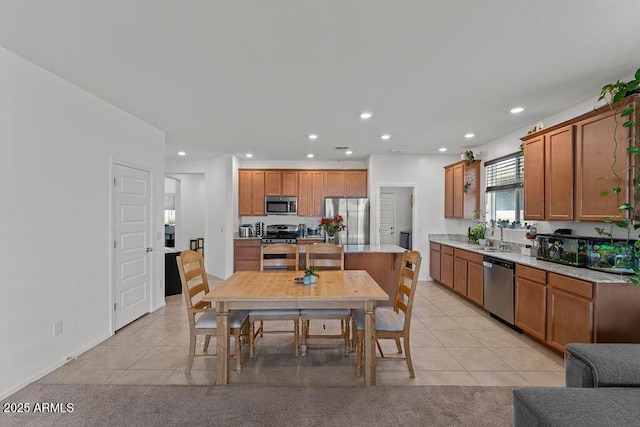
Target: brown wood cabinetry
548 180
434 261
468 278
446 265
281 183
595 149
531 301
251 192
310 186
458 177
569 311
383 267
246 255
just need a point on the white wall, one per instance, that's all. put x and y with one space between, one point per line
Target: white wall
58 145
190 209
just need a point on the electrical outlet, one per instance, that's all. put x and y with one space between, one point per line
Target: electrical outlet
57 328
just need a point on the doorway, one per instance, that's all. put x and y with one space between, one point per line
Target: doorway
396 215
132 244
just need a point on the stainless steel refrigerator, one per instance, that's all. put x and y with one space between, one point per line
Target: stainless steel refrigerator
355 212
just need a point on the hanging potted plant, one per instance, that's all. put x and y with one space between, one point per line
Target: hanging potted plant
614 94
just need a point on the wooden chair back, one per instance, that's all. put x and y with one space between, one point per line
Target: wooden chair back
290 257
325 256
194 281
407 284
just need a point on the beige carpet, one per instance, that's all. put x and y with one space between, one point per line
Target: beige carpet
116 405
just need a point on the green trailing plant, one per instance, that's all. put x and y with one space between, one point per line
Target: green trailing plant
470 157
467 185
311 271
613 94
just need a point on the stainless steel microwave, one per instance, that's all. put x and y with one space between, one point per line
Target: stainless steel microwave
281 205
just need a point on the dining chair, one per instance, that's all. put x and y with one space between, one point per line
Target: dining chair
393 323
202 317
325 256
277 256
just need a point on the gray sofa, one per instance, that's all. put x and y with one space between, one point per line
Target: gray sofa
603 389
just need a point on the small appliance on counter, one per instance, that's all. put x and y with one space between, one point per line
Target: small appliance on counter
245 230
302 229
313 230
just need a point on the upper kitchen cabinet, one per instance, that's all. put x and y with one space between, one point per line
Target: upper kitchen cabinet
595 148
311 193
461 189
348 183
548 180
281 183
251 192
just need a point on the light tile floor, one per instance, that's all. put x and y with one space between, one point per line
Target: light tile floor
453 342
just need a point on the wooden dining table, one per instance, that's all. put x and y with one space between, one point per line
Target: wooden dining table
245 290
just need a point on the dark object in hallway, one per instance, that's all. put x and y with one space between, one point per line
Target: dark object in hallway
172 285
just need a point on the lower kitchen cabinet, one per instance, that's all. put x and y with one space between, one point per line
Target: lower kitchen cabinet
570 311
434 261
531 301
446 265
468 275
246 254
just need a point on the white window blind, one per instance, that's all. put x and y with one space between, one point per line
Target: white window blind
505 172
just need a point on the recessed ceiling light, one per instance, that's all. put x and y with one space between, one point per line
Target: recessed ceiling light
517 110
442 150
181 153
249 155
310 155
385 137
469 135
348 152
366 115
313 136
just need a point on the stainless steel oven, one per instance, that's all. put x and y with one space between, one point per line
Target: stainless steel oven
279 233
281 205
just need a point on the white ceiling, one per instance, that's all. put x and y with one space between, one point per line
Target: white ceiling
259 76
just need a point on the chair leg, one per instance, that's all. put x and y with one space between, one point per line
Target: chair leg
252 340
192 353
296 338
407 355
379 348
359 345
207 339
238 353
347 333
398 346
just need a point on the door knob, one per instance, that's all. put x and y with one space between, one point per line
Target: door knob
149 249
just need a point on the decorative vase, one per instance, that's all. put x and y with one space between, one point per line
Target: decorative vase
313 278
331 238
306 280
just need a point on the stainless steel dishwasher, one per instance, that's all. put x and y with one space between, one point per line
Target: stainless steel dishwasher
499 293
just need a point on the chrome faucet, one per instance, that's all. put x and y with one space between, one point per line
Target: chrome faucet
503 245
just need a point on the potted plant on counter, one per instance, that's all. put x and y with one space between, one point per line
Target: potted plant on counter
331 225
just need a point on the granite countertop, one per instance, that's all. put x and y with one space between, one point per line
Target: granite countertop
566 270
387 249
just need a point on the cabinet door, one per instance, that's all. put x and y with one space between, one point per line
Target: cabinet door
570 319
304 193
531 307
446 266
356 182
558 179
472 195
534 178
318 194
448 192
257 192
244 193
475 282
246 255
460 276
335 182
289 183
458 191
434 263
595 150
273 183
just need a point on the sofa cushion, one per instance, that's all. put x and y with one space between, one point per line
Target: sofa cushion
603 365
555 406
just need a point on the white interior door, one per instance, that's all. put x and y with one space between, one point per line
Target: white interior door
132 244
388 219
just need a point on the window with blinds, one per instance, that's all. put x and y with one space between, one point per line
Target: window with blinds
505 173
504 178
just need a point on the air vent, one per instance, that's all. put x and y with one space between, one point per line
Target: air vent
339 148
